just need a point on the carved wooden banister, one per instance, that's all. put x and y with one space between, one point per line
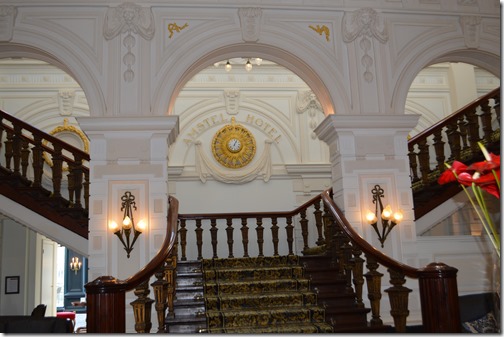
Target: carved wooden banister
199 223
455 137
437 282
106 295
26 148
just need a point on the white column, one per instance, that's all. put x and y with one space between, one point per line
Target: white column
127 154
367 151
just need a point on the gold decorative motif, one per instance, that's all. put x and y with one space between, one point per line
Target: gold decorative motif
321 30
174 27
233 146
69 129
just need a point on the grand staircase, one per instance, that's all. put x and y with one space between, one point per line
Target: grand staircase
325 299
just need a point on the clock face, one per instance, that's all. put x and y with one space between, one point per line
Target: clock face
233 146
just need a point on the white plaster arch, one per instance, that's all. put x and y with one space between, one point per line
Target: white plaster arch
193 65
66 61
445 49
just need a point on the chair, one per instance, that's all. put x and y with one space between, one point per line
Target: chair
39 311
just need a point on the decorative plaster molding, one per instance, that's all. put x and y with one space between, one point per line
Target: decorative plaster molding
232 99
471 28
321 30
250 22
129 18
467 2
7 17
66 99
364 23
307 101
205 168
173 27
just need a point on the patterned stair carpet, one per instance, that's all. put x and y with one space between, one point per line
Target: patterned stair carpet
260 295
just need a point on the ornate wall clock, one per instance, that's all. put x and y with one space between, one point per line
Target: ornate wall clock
233 146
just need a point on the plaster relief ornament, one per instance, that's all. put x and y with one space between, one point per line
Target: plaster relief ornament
307 101
66 99
364 23
7 17
471 28
129 19
250 22
232 99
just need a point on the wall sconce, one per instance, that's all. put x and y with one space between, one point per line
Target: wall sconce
389 219
128 224
75 265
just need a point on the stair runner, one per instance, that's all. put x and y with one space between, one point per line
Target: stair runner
260 295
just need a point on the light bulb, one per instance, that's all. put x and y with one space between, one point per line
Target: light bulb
141 226
371 217
228 66
113 226
398 216
127 223
387 213
258 61
248 66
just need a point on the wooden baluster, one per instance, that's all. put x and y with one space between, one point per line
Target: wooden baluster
373 282
473 131
57 171
85 184
289 228
142 308
260 238
304 229
199 238
413 163
244 231
398 298
423 159
213 236
25 155
170 277
462 126
229 232
486 121
439 149
71 183
16 149
9 151
160 287
327 220
77 181
38 161
318 223
338 241
183 239
358 277
274 235
453 135
348 264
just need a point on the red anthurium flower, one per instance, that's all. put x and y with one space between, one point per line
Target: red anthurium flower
486 182
486 166
452 172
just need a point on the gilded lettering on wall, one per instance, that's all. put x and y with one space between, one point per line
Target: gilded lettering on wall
173 27
321 30
364 23
130 19
267 127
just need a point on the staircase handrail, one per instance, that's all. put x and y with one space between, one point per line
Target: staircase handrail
453 117
106 294
437 281
53 140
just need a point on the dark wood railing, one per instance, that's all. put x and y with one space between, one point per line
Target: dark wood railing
106 295
454 138
27 152
211 222
437 281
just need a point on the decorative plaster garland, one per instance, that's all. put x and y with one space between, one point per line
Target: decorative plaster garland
205 168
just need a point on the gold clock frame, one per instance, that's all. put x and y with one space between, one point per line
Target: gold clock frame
232 158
